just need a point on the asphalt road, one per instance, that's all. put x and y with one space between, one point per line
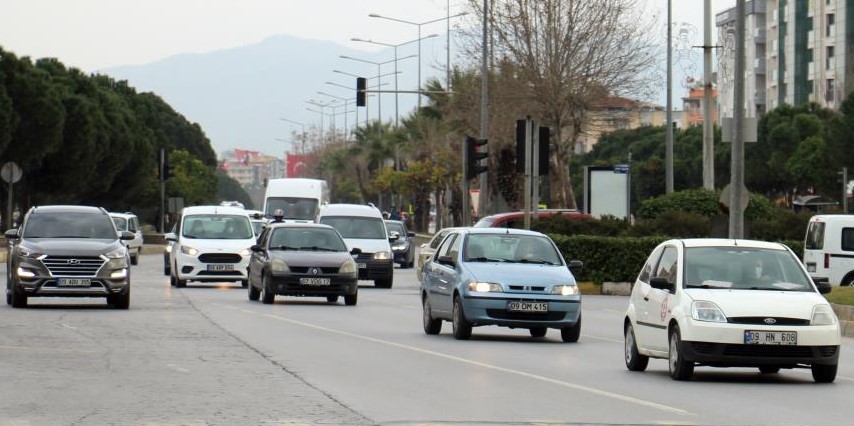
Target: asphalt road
205 355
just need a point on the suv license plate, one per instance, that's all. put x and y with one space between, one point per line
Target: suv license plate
363 265
314 281
516 306
219 267
755 337
73 282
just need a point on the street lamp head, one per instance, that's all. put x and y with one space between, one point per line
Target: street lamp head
357 39
431 35
374 15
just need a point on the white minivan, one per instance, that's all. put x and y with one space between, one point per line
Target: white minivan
298 198
829 248
363 227
211 244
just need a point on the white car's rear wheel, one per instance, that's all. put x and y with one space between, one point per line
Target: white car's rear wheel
634 360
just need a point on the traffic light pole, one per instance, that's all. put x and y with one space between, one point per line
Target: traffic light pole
162 190
465 186
529 130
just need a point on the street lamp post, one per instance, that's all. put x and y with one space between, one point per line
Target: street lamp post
419 25
395 46
379 76
322 106
346 101
297 123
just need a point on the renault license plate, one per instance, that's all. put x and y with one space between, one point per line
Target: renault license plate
220 267
519 306
73 282
363 265
755 337
314 281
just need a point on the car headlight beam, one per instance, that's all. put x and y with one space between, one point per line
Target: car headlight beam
702 310
823 315
382 255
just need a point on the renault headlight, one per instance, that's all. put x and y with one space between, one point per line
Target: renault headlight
823 315
189 251
279 265
702 310
382 255
565 290
482 287
348 267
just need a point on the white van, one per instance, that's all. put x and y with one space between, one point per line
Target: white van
363 227
829 248
211 244
299 198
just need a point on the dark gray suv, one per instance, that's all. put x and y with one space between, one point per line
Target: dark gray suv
68 251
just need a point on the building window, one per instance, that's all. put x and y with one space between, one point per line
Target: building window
829 60
828 94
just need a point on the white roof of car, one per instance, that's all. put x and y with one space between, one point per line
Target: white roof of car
122 215
832 217
724 242
213 210
511 231
350 210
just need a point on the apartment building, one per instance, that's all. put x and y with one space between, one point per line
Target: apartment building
756 63
612 113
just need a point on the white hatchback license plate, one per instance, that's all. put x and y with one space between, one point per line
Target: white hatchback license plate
314 281
74 282
219 267
754 337
363 265
515 306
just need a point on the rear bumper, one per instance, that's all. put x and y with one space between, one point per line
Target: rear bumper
375 269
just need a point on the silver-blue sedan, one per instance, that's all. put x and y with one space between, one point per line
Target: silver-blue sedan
506 277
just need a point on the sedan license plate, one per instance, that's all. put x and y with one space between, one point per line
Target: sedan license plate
517 306
220 267
754 337
363 265
74 282
314 281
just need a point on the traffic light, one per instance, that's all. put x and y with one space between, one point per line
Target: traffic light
361 86
545 138
520 145
474 155
165 173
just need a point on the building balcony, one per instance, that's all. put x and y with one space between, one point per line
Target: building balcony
759 66
810 39
759 35
811 71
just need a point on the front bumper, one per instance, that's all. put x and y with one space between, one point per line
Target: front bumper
289 285
101 284
192 268
492 309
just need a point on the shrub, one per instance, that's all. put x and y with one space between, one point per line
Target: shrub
558 224
698 201
781 224
607 258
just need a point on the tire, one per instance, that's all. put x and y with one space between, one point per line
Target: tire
172 280
18 298
350 300
180 283
634 360
385 283
134 260
848 280
254 293
571 333
267 297
244 283
8 296
167 271
462 327
538 331
679 368
431 325
769 369
824 373
120 301
332 299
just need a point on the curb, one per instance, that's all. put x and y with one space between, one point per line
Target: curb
845 314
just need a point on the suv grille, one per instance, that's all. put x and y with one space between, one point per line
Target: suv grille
73 266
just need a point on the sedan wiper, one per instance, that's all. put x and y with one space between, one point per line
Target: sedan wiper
283 248
485 259
771 288
537 261
316 248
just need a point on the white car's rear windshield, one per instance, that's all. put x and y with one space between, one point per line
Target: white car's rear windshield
217 227
357 227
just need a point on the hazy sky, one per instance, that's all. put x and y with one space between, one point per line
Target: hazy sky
96 34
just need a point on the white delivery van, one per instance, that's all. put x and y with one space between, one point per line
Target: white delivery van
829 248
363 227
299 198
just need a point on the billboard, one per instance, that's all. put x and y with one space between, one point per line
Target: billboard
606 190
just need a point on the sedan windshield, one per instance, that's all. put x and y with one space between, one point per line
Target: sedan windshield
743 269
313 239
217 227
70 225
511 248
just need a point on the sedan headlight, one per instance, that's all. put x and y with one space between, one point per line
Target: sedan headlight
118 253
565 290
348 267
382 255
482 287
119 273
823 315
702 310
279 265
189 251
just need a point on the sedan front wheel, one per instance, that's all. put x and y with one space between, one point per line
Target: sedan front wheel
462 327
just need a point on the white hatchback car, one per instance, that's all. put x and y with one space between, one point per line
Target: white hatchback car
730 303
211 244
129 222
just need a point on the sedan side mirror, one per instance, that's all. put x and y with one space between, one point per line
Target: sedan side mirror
575 265
823 285
127 235
393 236
11 234
410 234
170 236
256 248
661 283
356 250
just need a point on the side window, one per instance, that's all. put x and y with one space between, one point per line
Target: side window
437 239
646 271
815 236
454 251
445 248
667 266
134 225
848 239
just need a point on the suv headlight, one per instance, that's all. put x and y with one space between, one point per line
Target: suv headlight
483 287
245 252
189 251
565 290
30 254
702 310
279 265
823 315
118 253
348 267
382 255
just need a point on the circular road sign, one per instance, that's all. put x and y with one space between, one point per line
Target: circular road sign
11 172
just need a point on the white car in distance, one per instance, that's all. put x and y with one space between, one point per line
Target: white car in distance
129 222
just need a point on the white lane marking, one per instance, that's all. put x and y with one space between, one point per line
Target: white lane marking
176 368
607 339
68 326
594 391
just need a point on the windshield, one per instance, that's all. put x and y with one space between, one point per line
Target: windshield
257 227
365 228
395 227
743 268
315 239
217 227
121 223
70 225
511 248
294 208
